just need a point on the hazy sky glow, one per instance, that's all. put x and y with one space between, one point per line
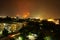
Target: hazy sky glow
36 8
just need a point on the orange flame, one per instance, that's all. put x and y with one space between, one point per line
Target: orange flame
26 14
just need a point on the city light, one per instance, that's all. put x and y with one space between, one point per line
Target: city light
0 32
56 22
47 38
13 27
50 19
29 29
32 36
53 20
19 38
4 24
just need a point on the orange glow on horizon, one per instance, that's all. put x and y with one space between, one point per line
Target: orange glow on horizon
25 14
17 14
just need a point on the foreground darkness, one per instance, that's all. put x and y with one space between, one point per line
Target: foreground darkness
41 29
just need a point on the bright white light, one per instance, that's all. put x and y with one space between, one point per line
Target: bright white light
4 24
32 36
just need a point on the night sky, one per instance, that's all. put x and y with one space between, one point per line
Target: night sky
35 8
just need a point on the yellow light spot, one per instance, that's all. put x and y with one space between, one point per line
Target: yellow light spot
13 27
50 19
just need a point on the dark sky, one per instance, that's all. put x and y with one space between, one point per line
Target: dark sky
36 8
